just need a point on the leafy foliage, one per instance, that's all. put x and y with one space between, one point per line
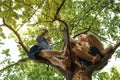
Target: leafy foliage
105 75
28 18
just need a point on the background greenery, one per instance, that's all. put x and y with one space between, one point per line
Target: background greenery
26 19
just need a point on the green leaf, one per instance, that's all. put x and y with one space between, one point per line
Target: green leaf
1 29
2 14
2 35
2 43
6 52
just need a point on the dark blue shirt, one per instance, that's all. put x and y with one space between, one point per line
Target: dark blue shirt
42 44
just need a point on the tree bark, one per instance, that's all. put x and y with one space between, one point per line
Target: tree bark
81 75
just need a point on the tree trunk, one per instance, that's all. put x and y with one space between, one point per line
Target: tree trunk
81 75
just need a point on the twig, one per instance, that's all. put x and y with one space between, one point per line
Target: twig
22 60
29 17
58 9
16 33
83 32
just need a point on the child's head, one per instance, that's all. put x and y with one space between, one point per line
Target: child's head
49 39
83 37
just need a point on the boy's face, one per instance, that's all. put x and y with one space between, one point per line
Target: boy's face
83 37
49 39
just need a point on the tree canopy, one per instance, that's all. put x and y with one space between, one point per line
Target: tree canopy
26 19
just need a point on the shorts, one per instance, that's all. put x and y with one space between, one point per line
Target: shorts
34 50
93 51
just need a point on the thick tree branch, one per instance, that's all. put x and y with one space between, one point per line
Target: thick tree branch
68 37
22 60
66 28
41 60
104 60
16 33
70 72
45 61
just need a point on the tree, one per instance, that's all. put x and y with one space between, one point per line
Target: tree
75 16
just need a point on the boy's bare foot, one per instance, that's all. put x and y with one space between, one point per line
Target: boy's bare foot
96 59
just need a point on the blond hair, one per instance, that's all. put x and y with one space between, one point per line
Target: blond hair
94 41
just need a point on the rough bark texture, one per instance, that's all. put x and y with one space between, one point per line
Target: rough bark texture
80 75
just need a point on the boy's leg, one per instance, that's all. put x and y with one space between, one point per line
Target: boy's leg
50 53
51 56
107 50
58 62
84 55
67 54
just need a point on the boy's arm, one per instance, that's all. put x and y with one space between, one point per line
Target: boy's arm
45 32
41 35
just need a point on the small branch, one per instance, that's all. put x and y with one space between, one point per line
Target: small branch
27 20
58 9
53 19
22 60
99 11
30 16
83 32
16 33
1 25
